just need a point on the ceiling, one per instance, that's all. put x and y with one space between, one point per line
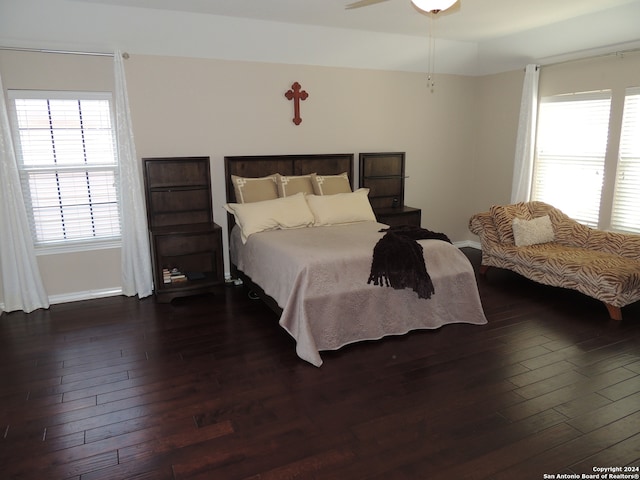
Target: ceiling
497 26
494 35
468 20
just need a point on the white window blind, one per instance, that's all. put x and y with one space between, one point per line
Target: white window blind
626 200
65 146
571 145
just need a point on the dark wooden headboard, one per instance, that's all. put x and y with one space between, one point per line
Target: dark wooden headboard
263 165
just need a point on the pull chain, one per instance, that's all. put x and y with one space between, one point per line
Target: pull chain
431 54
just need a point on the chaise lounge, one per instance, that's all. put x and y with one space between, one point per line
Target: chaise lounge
543 244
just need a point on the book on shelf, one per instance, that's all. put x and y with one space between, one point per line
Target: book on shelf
170 275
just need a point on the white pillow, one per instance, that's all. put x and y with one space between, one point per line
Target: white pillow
532 232
286 212
341 207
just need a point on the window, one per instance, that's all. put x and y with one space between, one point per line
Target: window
626 202
572 154
65 147
571 146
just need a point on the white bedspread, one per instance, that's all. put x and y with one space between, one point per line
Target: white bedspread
318 276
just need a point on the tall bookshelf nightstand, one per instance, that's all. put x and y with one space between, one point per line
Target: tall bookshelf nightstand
186 245
383 174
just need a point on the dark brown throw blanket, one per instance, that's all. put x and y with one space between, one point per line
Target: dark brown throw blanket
398 260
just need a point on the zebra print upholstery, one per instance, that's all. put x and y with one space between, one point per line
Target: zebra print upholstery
601 264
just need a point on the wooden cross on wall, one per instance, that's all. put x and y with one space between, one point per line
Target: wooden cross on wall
296 95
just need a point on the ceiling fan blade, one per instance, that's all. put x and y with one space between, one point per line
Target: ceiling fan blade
363 3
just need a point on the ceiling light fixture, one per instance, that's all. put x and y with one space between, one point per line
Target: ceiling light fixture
433 6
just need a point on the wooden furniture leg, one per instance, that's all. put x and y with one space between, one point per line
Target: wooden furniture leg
614 312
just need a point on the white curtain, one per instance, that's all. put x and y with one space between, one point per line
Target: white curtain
22 287
137 278
523 165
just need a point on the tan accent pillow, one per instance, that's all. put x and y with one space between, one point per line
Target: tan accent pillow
330 184
341 208
290 185
532 232
249 189
503 216
255 217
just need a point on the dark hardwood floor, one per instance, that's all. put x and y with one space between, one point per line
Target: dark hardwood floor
210 387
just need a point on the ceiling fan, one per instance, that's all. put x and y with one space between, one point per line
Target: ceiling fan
429 6
433 7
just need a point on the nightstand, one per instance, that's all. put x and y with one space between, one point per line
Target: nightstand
383 174
186 245
399 216
187 260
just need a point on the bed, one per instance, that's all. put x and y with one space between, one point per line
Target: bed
315 275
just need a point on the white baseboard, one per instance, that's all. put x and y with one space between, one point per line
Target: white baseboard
85 295
467 243
79 296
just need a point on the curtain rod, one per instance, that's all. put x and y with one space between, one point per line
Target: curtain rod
617 53
125 55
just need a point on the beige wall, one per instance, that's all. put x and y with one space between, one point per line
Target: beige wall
497 128
185 106
614 72
459 140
